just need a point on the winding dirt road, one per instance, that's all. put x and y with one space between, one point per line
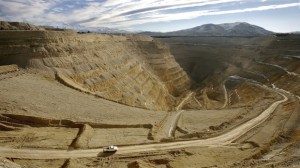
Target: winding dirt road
225 95
224 139
184 100
174 124
280 67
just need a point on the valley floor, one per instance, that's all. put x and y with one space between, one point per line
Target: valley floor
38 112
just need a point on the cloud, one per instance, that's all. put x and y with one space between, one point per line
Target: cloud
260 8
155 16
52 11
24 8
135 10
123 13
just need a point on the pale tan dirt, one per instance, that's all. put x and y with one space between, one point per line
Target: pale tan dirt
105 137
191 157
39 163
133 70
208 161
84 136
18 26
34 95
8 68
44 137
224 139
209 157
5 163
194 121
257 127
212 120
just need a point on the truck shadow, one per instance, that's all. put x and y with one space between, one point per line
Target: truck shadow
105 154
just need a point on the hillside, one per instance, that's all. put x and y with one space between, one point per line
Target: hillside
226 29
132 70
18 26
165 102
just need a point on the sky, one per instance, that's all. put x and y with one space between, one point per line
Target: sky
153 15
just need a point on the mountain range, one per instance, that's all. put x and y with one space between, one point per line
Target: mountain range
103 30
226 29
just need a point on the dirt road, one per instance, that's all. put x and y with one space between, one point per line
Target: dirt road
225 95
184 100
280 67
224 139
174 123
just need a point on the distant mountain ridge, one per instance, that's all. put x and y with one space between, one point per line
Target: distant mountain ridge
295 32
102 30
225 29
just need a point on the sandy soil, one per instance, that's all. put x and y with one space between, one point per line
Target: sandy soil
194 121
31 94
42 137
105 137
210 122
258 127
45 137
224 139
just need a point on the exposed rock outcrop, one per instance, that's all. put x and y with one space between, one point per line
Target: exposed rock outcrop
134 69
18 26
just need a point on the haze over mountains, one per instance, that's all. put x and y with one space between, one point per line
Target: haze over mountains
226 29
103 30
4 25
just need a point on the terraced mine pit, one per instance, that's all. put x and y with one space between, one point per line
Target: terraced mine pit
165 102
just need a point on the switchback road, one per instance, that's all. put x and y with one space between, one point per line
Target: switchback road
221 140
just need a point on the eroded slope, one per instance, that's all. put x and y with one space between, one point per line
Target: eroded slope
233 68
132 70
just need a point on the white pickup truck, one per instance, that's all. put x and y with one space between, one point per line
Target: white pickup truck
110 148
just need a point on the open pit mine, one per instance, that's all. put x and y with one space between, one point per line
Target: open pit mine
164 102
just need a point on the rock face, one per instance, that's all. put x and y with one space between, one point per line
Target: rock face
132 69
18 26
226 29
214 62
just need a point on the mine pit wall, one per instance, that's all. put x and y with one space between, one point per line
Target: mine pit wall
164 65
131 69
